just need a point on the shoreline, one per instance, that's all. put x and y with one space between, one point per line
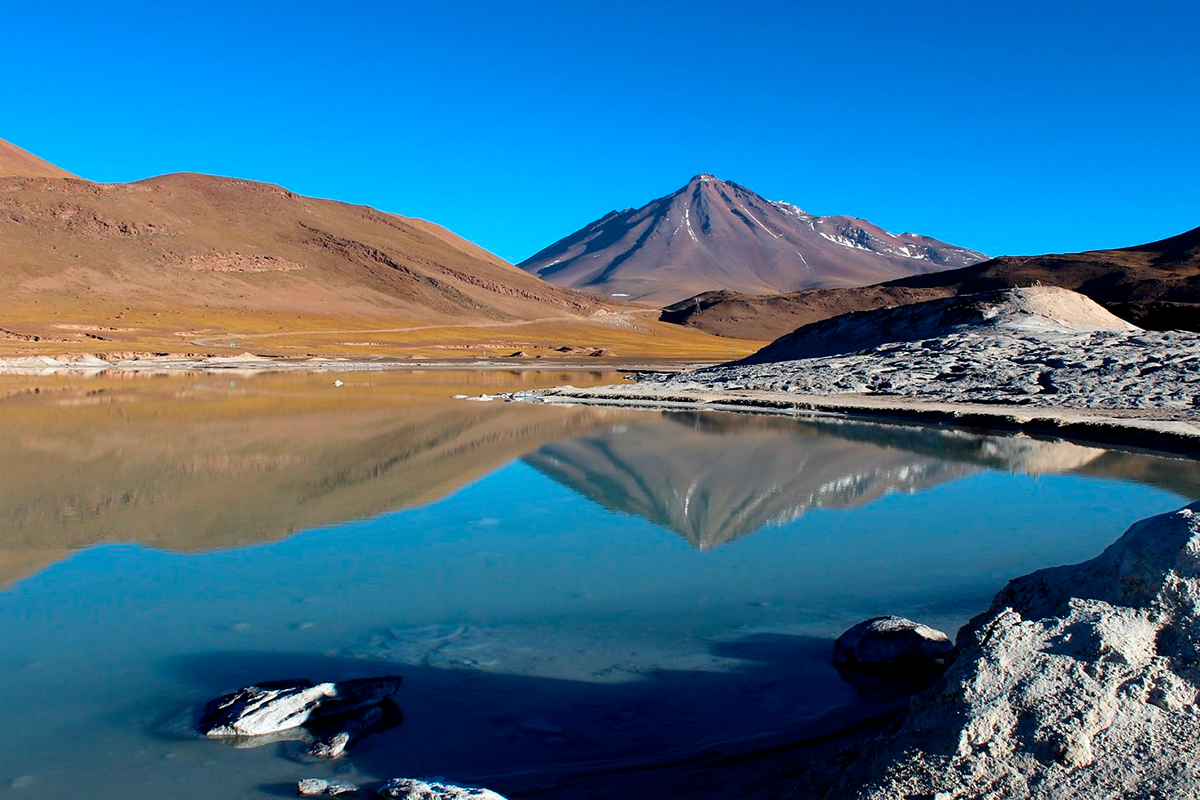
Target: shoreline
1161 431
247 363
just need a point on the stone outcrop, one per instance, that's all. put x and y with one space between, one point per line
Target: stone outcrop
1079 681
321 787
273 707
1037 346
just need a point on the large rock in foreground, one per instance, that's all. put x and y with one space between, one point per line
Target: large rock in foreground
1079 681
274 706
891 640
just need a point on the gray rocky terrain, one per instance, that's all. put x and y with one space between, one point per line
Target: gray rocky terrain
1039 346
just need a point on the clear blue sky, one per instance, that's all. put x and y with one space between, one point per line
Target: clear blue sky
1010 127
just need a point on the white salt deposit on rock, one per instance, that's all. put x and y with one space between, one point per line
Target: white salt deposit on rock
433 789
320 787
1030 311
1041 346
1080 681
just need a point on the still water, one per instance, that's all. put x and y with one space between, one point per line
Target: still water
565 590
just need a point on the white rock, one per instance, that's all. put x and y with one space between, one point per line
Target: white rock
320 787
1080 681
276 706
433 789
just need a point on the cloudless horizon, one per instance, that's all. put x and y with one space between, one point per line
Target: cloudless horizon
1009 128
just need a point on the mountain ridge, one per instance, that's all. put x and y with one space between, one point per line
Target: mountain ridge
1154 285
715 234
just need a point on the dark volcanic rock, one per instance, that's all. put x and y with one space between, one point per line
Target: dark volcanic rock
334 735
891 640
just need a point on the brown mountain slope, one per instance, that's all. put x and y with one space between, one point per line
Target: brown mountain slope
1155 286
718 235
206 241
18 163
186 263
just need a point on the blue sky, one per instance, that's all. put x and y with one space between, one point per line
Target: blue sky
1014 127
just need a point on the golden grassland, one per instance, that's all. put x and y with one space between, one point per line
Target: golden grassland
632 334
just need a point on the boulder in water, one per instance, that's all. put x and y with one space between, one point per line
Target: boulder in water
890 640
274 706
321 787
431 789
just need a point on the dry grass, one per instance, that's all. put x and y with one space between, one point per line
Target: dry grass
104 330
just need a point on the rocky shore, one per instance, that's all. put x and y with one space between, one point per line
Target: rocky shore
1079 681
1041 359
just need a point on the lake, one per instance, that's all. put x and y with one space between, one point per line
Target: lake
566 591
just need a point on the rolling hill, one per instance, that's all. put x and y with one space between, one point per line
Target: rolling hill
1155 286
184 260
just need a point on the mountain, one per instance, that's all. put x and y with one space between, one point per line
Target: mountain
714 234
188 239
18 163
181 261
1155 286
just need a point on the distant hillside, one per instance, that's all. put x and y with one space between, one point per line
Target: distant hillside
717 235
1155 286
186 263
18 163
200 240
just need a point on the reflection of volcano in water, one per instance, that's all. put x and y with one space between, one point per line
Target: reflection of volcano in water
714 478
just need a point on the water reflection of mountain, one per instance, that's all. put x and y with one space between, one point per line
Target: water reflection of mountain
716 477
194 465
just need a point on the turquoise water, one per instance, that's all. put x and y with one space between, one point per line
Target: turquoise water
640 588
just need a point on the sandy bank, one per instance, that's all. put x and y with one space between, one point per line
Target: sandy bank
250 363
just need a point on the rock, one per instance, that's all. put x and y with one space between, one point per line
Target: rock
274 706
320 787
335 736
1079 681
432 789
890 640
601 353
518 354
